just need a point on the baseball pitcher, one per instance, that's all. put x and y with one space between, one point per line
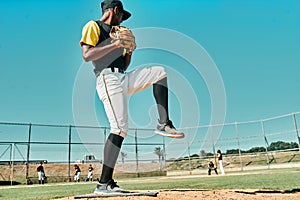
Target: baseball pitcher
109 46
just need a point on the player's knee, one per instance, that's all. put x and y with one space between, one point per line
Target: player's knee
160 72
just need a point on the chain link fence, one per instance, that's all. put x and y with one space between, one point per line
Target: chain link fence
246 145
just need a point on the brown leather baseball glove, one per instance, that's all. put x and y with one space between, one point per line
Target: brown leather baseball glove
123 37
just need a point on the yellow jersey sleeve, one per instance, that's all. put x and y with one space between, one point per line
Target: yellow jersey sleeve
90 34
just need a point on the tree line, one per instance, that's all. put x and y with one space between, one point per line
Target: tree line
274 146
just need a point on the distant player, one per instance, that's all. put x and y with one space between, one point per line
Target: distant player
211 166
77 173
111 59
41 173
90 174
219 155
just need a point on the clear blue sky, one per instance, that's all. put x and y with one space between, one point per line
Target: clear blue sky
254 44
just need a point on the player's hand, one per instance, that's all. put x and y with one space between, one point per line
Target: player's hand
123 37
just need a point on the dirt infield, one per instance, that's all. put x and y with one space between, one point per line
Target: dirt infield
210 195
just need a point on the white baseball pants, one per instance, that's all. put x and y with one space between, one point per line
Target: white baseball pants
221 166
90 175
77 176
113 89
41 176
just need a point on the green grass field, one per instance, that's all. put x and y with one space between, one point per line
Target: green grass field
279 179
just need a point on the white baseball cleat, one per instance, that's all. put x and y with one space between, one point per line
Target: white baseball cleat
110 187
168 130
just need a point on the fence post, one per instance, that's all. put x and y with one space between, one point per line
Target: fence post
189 153
164 152
136 154
296 128
239 146
28 154
104 136
12 155
190 167
69 154
266 145
213 143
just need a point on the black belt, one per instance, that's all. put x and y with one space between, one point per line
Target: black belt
115 69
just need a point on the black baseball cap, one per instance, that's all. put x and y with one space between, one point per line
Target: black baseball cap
113 3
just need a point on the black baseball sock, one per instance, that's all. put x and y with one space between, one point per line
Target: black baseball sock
111 152
160 91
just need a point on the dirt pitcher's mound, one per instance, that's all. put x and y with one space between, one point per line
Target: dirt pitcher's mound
208 195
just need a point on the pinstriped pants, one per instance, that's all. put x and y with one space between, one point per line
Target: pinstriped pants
113 89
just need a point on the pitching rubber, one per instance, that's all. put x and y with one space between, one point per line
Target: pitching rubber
117 194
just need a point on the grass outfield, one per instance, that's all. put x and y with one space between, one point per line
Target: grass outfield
283 179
